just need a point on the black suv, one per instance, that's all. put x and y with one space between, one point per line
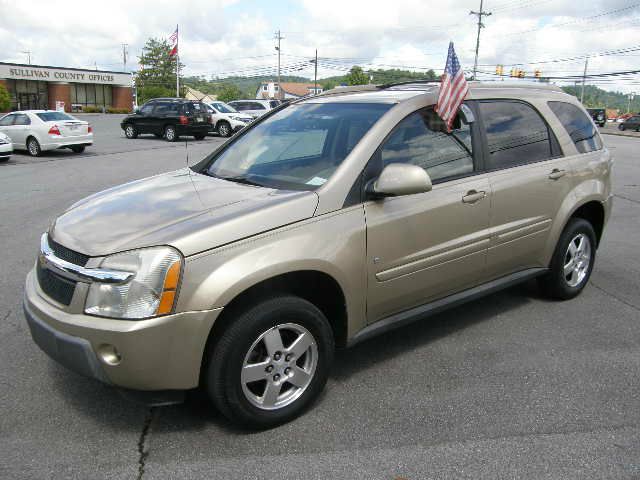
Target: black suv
599 116
169 118
631 123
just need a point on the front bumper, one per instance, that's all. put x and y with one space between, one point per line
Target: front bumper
6 149
163 353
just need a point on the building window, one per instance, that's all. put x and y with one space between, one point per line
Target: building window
265 87
89 94
28 94
277 88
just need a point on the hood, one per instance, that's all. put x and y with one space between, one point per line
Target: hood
190 211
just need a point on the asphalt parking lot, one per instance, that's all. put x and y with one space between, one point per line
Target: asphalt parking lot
510 386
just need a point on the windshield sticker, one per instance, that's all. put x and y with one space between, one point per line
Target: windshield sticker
316 181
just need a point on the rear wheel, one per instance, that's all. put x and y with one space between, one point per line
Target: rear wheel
271 362
224 129
170 133
78 148
130 132
572 261
33 147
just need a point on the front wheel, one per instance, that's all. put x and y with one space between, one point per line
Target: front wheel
621 128
224 129
572 261
33 147
170 133
271 362
130 132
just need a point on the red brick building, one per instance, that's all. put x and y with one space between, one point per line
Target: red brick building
43 87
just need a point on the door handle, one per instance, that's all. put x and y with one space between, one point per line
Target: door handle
556 173
473 196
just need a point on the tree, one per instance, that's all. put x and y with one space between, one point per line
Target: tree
5 100
228 92
357 77
157 74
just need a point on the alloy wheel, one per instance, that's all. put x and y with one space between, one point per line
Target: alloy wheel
577 260
279 366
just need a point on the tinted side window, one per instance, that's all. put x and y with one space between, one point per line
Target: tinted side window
516 134
273 103
239 106
257 106
165 109
418 140
147 108
7 120
579 127
22 119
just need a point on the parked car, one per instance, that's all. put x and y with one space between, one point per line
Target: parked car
337 218
170 118
631 123
254 108
6 147
39 130
599 116
226 120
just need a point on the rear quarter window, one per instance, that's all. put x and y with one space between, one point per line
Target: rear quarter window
578 126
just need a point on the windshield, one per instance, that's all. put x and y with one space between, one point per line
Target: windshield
297 148
224 108
54 116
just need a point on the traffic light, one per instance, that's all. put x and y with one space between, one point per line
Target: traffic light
499 69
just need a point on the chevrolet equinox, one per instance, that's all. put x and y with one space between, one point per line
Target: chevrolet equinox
329 220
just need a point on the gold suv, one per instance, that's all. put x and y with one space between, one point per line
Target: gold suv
327 221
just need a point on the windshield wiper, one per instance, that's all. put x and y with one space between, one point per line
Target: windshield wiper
241 179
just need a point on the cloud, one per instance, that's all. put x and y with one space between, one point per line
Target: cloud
220 37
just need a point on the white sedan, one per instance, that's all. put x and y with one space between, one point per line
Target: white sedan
6 147
38 130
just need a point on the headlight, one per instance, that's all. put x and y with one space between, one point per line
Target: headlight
151 291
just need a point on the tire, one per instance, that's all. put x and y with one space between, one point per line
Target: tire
78 148
130 132
199 137
33 147
287 318
170 133
224 129
621 127
563 281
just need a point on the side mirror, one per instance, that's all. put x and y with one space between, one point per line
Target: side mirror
136 110
399 179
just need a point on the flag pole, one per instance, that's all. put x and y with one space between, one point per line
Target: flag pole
177 65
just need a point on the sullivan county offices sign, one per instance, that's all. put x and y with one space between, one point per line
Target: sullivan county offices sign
46 74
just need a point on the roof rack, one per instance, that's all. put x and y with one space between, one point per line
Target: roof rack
410 82
349 89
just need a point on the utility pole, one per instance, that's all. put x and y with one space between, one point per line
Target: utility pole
279 37
629 98
584 78
315 75
479 14
28 53
124 57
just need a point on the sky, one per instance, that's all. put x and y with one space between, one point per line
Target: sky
219 38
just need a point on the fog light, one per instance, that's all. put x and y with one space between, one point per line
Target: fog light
109 354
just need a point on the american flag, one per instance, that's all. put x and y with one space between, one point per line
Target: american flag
173 40
453 88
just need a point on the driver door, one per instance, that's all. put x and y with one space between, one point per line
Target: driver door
425 246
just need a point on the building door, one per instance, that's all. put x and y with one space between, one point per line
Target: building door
28 101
